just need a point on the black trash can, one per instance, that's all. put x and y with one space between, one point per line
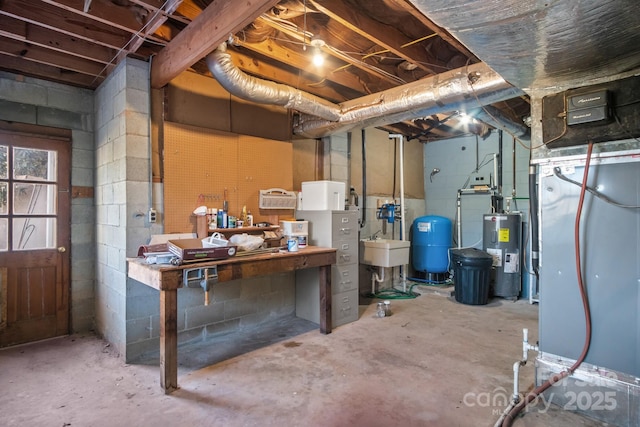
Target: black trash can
472 275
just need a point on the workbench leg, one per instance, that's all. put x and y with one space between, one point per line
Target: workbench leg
324 278
168 340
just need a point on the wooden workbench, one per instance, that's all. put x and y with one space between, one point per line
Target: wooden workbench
168 279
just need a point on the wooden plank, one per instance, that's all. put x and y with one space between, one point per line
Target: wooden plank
443 34
43 37
49 57
230 269
169 340
17 65
66 22
26 129
154 276
3 298
203 35
324 273
383 35
78 192
275 51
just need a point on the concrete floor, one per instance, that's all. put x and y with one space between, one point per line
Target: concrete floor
434 362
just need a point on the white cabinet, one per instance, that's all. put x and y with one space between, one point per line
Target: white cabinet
335 229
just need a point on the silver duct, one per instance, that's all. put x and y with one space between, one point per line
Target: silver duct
494 117
540 45
461 89
262 91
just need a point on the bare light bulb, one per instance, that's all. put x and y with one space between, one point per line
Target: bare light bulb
318 59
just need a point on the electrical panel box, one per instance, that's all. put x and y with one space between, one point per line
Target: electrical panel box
604 112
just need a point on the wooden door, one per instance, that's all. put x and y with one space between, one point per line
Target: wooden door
34 233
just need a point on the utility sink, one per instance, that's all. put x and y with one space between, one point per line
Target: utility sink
384 252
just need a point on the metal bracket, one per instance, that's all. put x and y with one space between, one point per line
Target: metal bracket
200 277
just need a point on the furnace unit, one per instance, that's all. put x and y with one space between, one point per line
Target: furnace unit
609 231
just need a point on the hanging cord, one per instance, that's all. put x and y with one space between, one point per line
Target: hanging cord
509 418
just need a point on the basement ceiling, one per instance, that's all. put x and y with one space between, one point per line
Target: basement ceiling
368 46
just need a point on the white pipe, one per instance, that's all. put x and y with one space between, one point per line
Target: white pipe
375 278
403 228
459 224
516 374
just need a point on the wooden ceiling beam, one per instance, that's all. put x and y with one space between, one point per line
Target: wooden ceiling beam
158 6
249 65
443 34
23 31
255 67
297 35
294 59
130 19
156 21
42 71
206 32
45 56
64 22
382 35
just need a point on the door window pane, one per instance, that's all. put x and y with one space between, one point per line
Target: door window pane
3 162
34 199
33 164
34 233
3 198
4 234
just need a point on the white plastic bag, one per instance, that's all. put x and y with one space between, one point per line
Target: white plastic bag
246 242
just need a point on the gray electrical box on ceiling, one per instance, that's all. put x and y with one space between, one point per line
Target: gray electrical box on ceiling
604 112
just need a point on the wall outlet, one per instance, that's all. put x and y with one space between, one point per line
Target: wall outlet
153 215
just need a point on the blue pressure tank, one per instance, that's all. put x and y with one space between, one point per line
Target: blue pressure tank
431 240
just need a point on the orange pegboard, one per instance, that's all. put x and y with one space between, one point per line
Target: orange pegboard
204 166
262 164
199 164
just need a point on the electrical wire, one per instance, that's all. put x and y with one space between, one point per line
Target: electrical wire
475 95
137 34
509 418
557 173
615 116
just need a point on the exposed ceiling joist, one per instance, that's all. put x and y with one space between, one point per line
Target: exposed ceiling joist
385 36
371 47
203 35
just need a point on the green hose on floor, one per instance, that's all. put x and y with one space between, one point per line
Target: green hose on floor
393 293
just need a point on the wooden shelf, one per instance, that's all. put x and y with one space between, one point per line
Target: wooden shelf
248 230
202 230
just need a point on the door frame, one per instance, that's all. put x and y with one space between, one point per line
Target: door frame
13 131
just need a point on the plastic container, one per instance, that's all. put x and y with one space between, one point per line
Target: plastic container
431 240
323 195
472 275
294 227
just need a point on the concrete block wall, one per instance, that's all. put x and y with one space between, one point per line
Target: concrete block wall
340 170
233 306
28 100
127 311
457 160
123 189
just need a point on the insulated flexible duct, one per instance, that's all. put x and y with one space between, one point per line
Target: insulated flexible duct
463 88
262 91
